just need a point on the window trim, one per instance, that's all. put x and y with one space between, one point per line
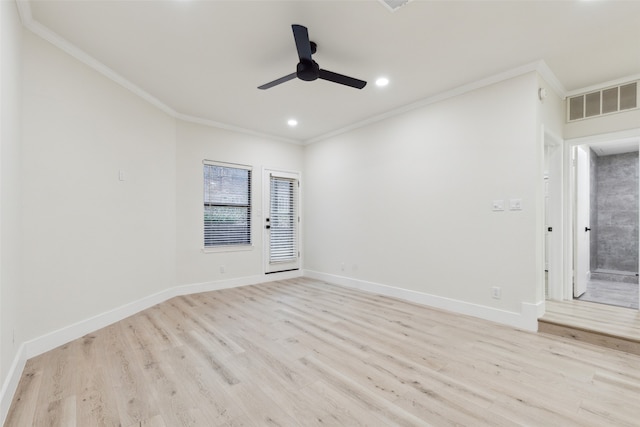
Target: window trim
235 247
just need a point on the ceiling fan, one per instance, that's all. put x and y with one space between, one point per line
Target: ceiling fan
308 69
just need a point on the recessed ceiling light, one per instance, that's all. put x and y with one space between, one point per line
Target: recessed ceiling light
382 81
292 122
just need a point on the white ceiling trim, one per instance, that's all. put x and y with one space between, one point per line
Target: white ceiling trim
631 145
213 123
624 135
599 86
551 79
24 10
87 59
496 78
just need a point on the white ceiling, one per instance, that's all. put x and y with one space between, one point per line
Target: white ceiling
205 59
610 148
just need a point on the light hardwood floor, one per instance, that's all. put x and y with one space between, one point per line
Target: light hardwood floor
600 324
305 353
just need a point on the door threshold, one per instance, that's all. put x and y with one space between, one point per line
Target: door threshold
604 325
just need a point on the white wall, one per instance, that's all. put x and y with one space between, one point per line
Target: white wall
552 113
407 202
10 134
196 143
604 124
91 242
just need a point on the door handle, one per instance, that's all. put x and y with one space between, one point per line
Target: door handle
587 229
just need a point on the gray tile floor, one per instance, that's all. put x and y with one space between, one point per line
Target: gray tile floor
612 293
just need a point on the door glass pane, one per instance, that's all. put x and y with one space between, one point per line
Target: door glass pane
283 220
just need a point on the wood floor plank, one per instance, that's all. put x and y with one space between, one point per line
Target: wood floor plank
361 396
334 412
25 401
603 325
308 353
125 375
204 391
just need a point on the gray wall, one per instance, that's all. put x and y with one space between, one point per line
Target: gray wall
616 188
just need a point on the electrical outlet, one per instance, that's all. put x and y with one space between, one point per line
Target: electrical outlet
496 292
222 269
342 266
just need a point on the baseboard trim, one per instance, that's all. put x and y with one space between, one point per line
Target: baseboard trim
235 283
11 382
526 320
59 337
69 333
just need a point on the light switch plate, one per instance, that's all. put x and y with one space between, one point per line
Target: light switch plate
498 205
515 204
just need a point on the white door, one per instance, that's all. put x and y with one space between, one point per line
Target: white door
282 222
554 220
583 227
546 223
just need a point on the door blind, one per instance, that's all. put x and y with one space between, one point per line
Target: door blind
283 220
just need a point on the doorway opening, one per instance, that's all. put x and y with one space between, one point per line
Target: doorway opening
606 236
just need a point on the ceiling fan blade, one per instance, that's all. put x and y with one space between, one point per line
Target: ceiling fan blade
278 81
301 36
342 79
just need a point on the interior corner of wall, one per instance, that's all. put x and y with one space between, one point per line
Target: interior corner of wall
11 381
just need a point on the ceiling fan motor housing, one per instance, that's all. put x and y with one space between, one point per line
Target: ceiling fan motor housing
308 70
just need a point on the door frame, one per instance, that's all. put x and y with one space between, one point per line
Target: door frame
554 156
569 210
266 189
582 218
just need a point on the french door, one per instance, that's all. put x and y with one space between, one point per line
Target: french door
282 222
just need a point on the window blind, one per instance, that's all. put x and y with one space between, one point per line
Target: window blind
227 205
283 220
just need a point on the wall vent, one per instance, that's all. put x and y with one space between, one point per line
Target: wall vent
394 5
605 101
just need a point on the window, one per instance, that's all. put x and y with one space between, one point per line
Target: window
227 205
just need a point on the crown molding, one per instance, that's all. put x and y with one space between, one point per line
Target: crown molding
610 83
24 11
551 79
219 125
496 78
